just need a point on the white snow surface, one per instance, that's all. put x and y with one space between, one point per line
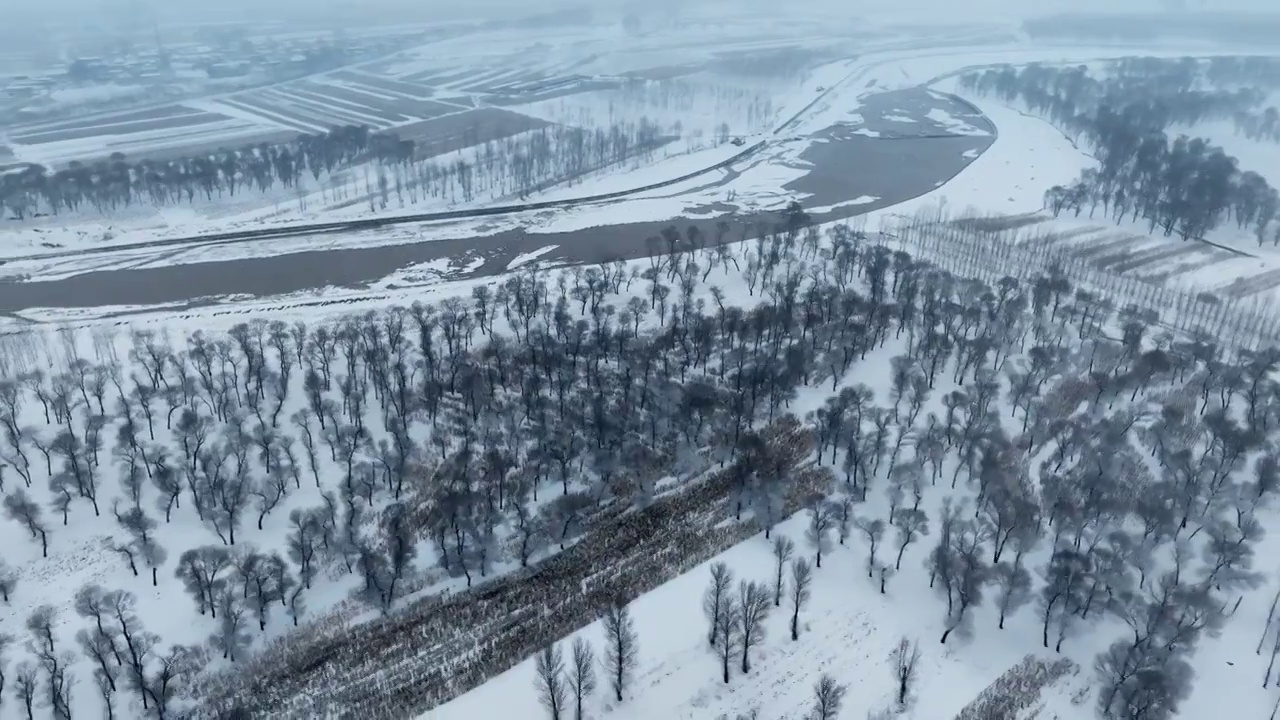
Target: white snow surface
1028 156
848 628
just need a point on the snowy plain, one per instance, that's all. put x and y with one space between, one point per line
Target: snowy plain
677 679
850 628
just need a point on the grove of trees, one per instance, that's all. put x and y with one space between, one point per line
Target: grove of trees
1125 114
347 165
1033 447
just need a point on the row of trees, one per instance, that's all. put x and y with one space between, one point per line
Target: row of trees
1185 89
414 170
516 165
1185 186
116 182
562 688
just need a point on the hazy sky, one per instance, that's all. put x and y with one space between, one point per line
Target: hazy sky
119 12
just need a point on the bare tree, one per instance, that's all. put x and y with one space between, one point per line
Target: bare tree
801 577
21 509
140 525
1014 586
828 696
783 549
911 524
717 598
100 651
231 636
821 518
551 683
621 651
753 609
728 635
24 687
905 658
582 676
5 641
40 625
199 569
401 548
8 581
874 532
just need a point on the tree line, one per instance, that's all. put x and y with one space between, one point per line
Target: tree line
1185 185
411 170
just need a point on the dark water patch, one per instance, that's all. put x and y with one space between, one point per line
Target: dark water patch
860 166
883 114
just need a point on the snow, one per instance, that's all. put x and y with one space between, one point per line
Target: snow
842 82
52 154
1027 157
1030 155
524 259
847 631
954 124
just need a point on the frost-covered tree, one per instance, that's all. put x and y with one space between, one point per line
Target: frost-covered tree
718 598
21 509
1013 586
231 637
8 581
582 675
828 697
25 687
753 610
801 578
552 690
873 530
621 647
904 660
821 518
783 549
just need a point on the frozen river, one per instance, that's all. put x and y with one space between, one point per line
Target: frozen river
899 146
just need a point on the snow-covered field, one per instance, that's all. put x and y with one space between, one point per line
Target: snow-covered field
1232 264
1010 178
849 626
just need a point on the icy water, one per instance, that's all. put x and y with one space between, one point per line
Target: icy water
908 143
